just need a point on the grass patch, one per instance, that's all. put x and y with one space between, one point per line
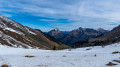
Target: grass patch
116 52
95 55
63 47
5 65
28 56
88 48
64 56
43 65
111 64
118 61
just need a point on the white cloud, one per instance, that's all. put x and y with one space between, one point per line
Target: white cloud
46 20
86 13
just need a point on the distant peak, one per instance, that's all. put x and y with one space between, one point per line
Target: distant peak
56 29
99 29
80 28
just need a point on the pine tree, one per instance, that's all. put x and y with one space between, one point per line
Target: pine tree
54 48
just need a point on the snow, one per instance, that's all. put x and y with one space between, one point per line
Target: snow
6 19
79 57
12 30
30 31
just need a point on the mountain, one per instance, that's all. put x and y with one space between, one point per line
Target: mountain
50 37
56 33
16 35
111 37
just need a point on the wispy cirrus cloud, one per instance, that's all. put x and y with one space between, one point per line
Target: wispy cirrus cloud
79 13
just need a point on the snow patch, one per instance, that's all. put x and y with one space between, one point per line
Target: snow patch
12 30
31 31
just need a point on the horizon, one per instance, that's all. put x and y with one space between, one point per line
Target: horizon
66 15
75 29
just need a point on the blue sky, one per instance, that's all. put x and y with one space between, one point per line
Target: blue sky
64 14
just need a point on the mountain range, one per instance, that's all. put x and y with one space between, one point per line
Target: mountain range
76 35
111 37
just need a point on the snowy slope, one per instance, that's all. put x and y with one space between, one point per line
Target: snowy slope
14 57
16 35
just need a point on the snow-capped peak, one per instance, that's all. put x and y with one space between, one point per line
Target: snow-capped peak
56 29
